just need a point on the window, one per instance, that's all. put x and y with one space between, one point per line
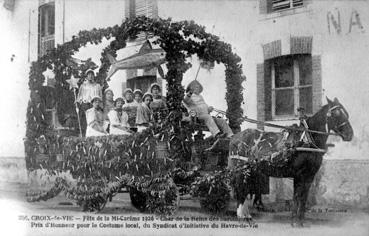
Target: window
46 28
148 8
279 5
291 81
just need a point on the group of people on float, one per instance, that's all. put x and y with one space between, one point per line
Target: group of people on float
102 115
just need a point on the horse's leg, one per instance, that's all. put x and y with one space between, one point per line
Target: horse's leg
306 178
297 195
241 190
243 210
302 207
258 203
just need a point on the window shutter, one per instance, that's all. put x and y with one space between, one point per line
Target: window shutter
317 83
130 8
148 8
301 45
260 93
297 3
268 89
264 92
278 5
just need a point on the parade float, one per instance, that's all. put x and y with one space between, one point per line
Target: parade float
155 165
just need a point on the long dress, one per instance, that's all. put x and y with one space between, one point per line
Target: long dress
118 119
95 121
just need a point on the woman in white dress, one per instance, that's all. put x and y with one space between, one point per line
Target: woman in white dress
118 119
97 123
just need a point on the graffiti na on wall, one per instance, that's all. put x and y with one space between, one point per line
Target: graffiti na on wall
335 24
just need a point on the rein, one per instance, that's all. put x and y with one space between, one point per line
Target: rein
245 118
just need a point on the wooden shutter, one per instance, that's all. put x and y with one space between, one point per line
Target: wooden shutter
297 3
264 92
147 8
279 5
130 8
272 49
260 93
268 89
301 45
317 83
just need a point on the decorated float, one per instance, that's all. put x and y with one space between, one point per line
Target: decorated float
155 165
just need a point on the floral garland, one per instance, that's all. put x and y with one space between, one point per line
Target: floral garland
213 191
174 37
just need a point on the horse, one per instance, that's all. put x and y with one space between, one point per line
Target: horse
299 165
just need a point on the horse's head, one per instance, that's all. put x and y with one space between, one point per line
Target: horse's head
338 120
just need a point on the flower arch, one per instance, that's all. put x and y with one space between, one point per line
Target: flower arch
179 39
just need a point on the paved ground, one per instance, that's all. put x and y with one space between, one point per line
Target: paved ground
17 216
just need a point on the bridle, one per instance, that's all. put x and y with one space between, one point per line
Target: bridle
329 116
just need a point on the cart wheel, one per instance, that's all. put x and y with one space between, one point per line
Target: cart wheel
166 204
218 200
138 199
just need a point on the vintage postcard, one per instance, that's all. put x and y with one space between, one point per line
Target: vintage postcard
178 117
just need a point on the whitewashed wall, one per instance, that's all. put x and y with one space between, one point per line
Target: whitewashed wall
14 93
344 55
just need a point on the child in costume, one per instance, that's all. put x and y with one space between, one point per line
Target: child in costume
195 102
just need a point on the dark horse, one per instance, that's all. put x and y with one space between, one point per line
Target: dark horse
300 165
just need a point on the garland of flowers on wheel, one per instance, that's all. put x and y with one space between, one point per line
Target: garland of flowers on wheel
180 40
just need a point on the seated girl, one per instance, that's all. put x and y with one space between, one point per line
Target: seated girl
97 123
118 119
144 114
195 102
